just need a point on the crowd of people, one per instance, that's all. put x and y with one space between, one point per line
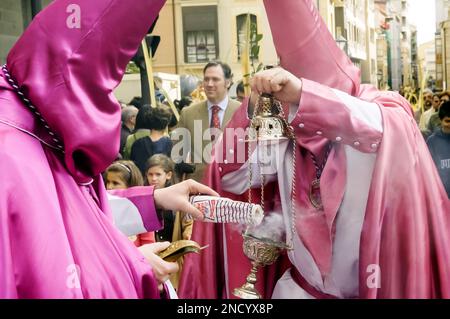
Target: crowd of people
432 118
383 195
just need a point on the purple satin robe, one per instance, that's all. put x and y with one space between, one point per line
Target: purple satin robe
56 235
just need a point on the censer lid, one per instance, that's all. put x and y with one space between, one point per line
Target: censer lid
267 123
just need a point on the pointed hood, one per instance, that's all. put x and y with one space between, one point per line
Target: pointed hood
69 60
309 50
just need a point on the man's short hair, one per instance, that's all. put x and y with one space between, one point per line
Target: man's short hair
143 117
160 117
427 90
444 110
445 93
128 112
225 68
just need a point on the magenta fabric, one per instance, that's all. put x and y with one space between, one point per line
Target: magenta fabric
69 74
142 198
57 239
309 45
406 228
223 279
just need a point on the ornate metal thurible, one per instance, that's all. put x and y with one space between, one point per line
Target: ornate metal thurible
261 252
268 125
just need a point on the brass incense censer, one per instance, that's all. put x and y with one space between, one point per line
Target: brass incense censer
262 252
268 125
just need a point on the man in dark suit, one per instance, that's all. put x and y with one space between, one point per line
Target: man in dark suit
206 119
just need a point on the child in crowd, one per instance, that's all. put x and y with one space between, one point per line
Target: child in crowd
160 172
123 174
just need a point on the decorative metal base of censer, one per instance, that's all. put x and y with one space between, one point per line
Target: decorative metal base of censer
261 252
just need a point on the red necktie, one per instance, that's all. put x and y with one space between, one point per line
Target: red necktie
215 121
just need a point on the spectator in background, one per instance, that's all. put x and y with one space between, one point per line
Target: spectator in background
158 142
427 101
439 146
425 117
435 121
128 123
213 113
142 129
240 92
121 175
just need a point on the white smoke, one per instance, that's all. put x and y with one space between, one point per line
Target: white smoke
239 228
272 227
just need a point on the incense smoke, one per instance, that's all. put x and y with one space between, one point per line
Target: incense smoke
272 227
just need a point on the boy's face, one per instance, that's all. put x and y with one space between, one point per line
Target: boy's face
445 124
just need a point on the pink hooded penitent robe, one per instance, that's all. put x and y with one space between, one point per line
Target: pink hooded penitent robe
57 239
399 218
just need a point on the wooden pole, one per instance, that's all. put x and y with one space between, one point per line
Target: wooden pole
172 105
245 57
149 68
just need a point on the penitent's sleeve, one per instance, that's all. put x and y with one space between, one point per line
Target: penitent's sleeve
338 117
134 210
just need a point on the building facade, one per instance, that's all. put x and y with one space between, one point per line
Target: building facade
427 59
440 77
355 22
195 32
442 7
383 44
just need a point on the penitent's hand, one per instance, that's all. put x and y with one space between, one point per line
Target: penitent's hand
161 268
283 85
176 197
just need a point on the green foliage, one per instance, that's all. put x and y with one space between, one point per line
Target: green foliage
132 68
255 39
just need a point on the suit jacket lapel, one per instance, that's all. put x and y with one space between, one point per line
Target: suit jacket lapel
204 116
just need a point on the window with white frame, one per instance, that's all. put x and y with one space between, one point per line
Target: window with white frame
200 33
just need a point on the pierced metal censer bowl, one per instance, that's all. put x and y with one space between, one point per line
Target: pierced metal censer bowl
262 252
268 125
